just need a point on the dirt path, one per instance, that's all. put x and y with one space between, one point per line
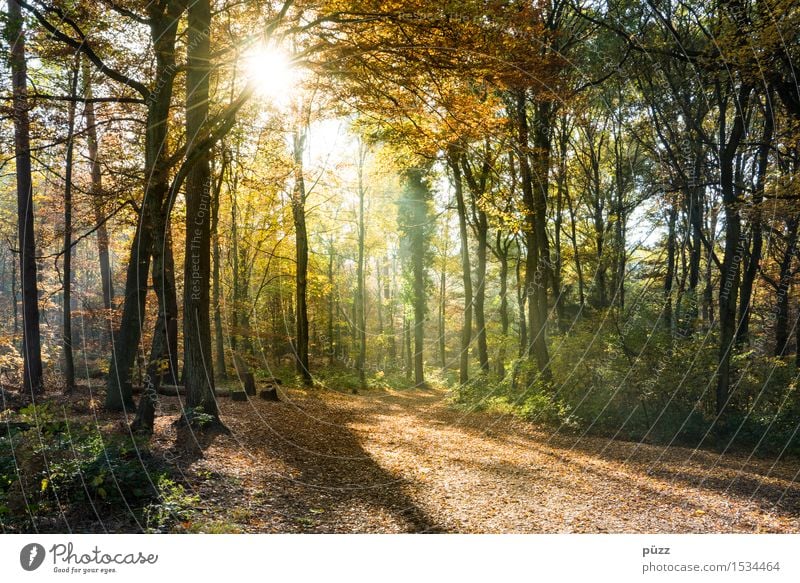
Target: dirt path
404 461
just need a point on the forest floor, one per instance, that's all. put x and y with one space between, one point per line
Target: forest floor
408 461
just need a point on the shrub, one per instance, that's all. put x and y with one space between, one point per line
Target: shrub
55 468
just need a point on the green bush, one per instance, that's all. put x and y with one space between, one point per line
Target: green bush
56 468
632 377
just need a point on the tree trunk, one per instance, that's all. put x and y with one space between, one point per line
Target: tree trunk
360 272
523 327
480 224
729 277
413 221
542 146
66 332
14 297
466 269
31 341
301 247
782 291
574 239
96 193
536 272
419 322
442 312
199 373
708 293
670 276
236 283
125 345
219 342
409 359
166 295
694 196
392 313
381 354
562 191
620 224
331 301
482 229
754 259
502 254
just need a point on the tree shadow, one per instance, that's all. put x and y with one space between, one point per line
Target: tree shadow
315 472
773 487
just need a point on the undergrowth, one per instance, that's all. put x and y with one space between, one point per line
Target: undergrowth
55 472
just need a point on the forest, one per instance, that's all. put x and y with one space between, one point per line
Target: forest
399 266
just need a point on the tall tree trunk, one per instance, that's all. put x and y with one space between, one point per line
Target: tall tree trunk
125 345
301 247
573 230
31 341
782 289
199 372
620 224
466 268
409 358
708 292
482 229
413 221
164 287
521 296
66 332
14 297
695 207
381 354
331 302
243 302
754 259
542 147
236 283
561 188
670 275
219 342
797 350
536 272
392 312
419 322
360 272
502 254
442 312
599 296
477 186
729 277
96 193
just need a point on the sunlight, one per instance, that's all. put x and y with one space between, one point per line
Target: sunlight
270 68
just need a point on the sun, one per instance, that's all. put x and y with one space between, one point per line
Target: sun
270 69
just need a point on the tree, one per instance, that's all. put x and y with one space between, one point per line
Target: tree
301 251
163 19
199 372
361 299
96 192
66 332
414 222
466 266
31 341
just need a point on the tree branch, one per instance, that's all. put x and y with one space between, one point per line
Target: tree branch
83 46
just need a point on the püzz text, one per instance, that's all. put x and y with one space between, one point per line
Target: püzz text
653 550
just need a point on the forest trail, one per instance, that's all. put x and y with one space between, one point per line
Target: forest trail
407 461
